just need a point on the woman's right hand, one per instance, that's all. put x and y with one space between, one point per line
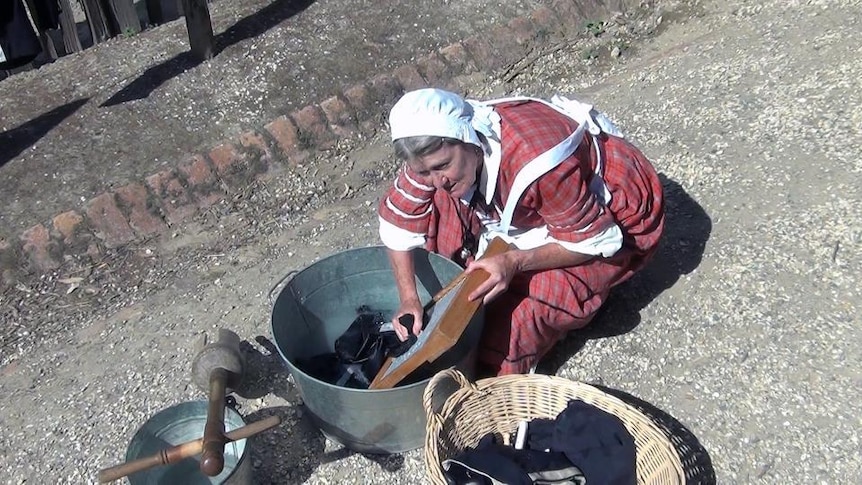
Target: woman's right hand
413 308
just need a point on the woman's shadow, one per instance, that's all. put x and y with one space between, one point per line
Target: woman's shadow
687 229
696 463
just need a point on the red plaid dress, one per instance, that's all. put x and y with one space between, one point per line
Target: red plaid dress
540 307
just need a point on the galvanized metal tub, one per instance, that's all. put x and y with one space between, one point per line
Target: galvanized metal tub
318 304
178 424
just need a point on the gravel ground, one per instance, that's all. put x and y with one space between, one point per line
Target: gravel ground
743 331
132 106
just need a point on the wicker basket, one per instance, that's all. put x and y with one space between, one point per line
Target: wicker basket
497 404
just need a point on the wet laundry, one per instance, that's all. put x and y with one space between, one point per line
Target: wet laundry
359 352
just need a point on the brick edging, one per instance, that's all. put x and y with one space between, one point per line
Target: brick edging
147 207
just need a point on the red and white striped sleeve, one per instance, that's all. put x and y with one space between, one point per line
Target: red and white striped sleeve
404 212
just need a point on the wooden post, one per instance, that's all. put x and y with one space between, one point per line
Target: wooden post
44 39
48 45
97 21
125 16
200 28
70 31
155 12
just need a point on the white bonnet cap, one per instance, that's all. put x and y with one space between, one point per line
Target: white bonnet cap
433 112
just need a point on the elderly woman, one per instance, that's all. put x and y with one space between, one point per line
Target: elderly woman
582 207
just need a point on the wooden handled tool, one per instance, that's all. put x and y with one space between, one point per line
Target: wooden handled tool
218 367
182 451
212 454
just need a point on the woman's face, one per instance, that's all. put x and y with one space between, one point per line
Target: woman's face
452 168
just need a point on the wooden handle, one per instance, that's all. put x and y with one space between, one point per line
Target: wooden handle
182 451
212 454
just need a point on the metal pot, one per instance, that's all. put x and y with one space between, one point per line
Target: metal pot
179 424
318 304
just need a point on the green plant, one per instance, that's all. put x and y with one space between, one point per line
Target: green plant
595 28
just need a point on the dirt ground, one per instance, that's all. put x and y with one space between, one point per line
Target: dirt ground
126 108
743 331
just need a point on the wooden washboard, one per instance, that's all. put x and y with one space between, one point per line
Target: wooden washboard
452 312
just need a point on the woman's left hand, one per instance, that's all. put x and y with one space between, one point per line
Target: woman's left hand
501 268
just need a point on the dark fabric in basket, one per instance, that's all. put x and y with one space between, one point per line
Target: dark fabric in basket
584 445
597 442
492 463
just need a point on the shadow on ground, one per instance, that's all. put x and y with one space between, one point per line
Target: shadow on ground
265 372
288 453
687 229
26 135
246 28
291 452
696 462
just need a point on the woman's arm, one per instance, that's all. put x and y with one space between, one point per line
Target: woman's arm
405 281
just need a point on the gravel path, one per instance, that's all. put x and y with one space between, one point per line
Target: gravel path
130 107
745 330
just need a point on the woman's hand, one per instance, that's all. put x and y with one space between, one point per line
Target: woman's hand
413 308
501 268
405 281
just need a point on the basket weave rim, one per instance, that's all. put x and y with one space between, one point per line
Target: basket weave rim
661 461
